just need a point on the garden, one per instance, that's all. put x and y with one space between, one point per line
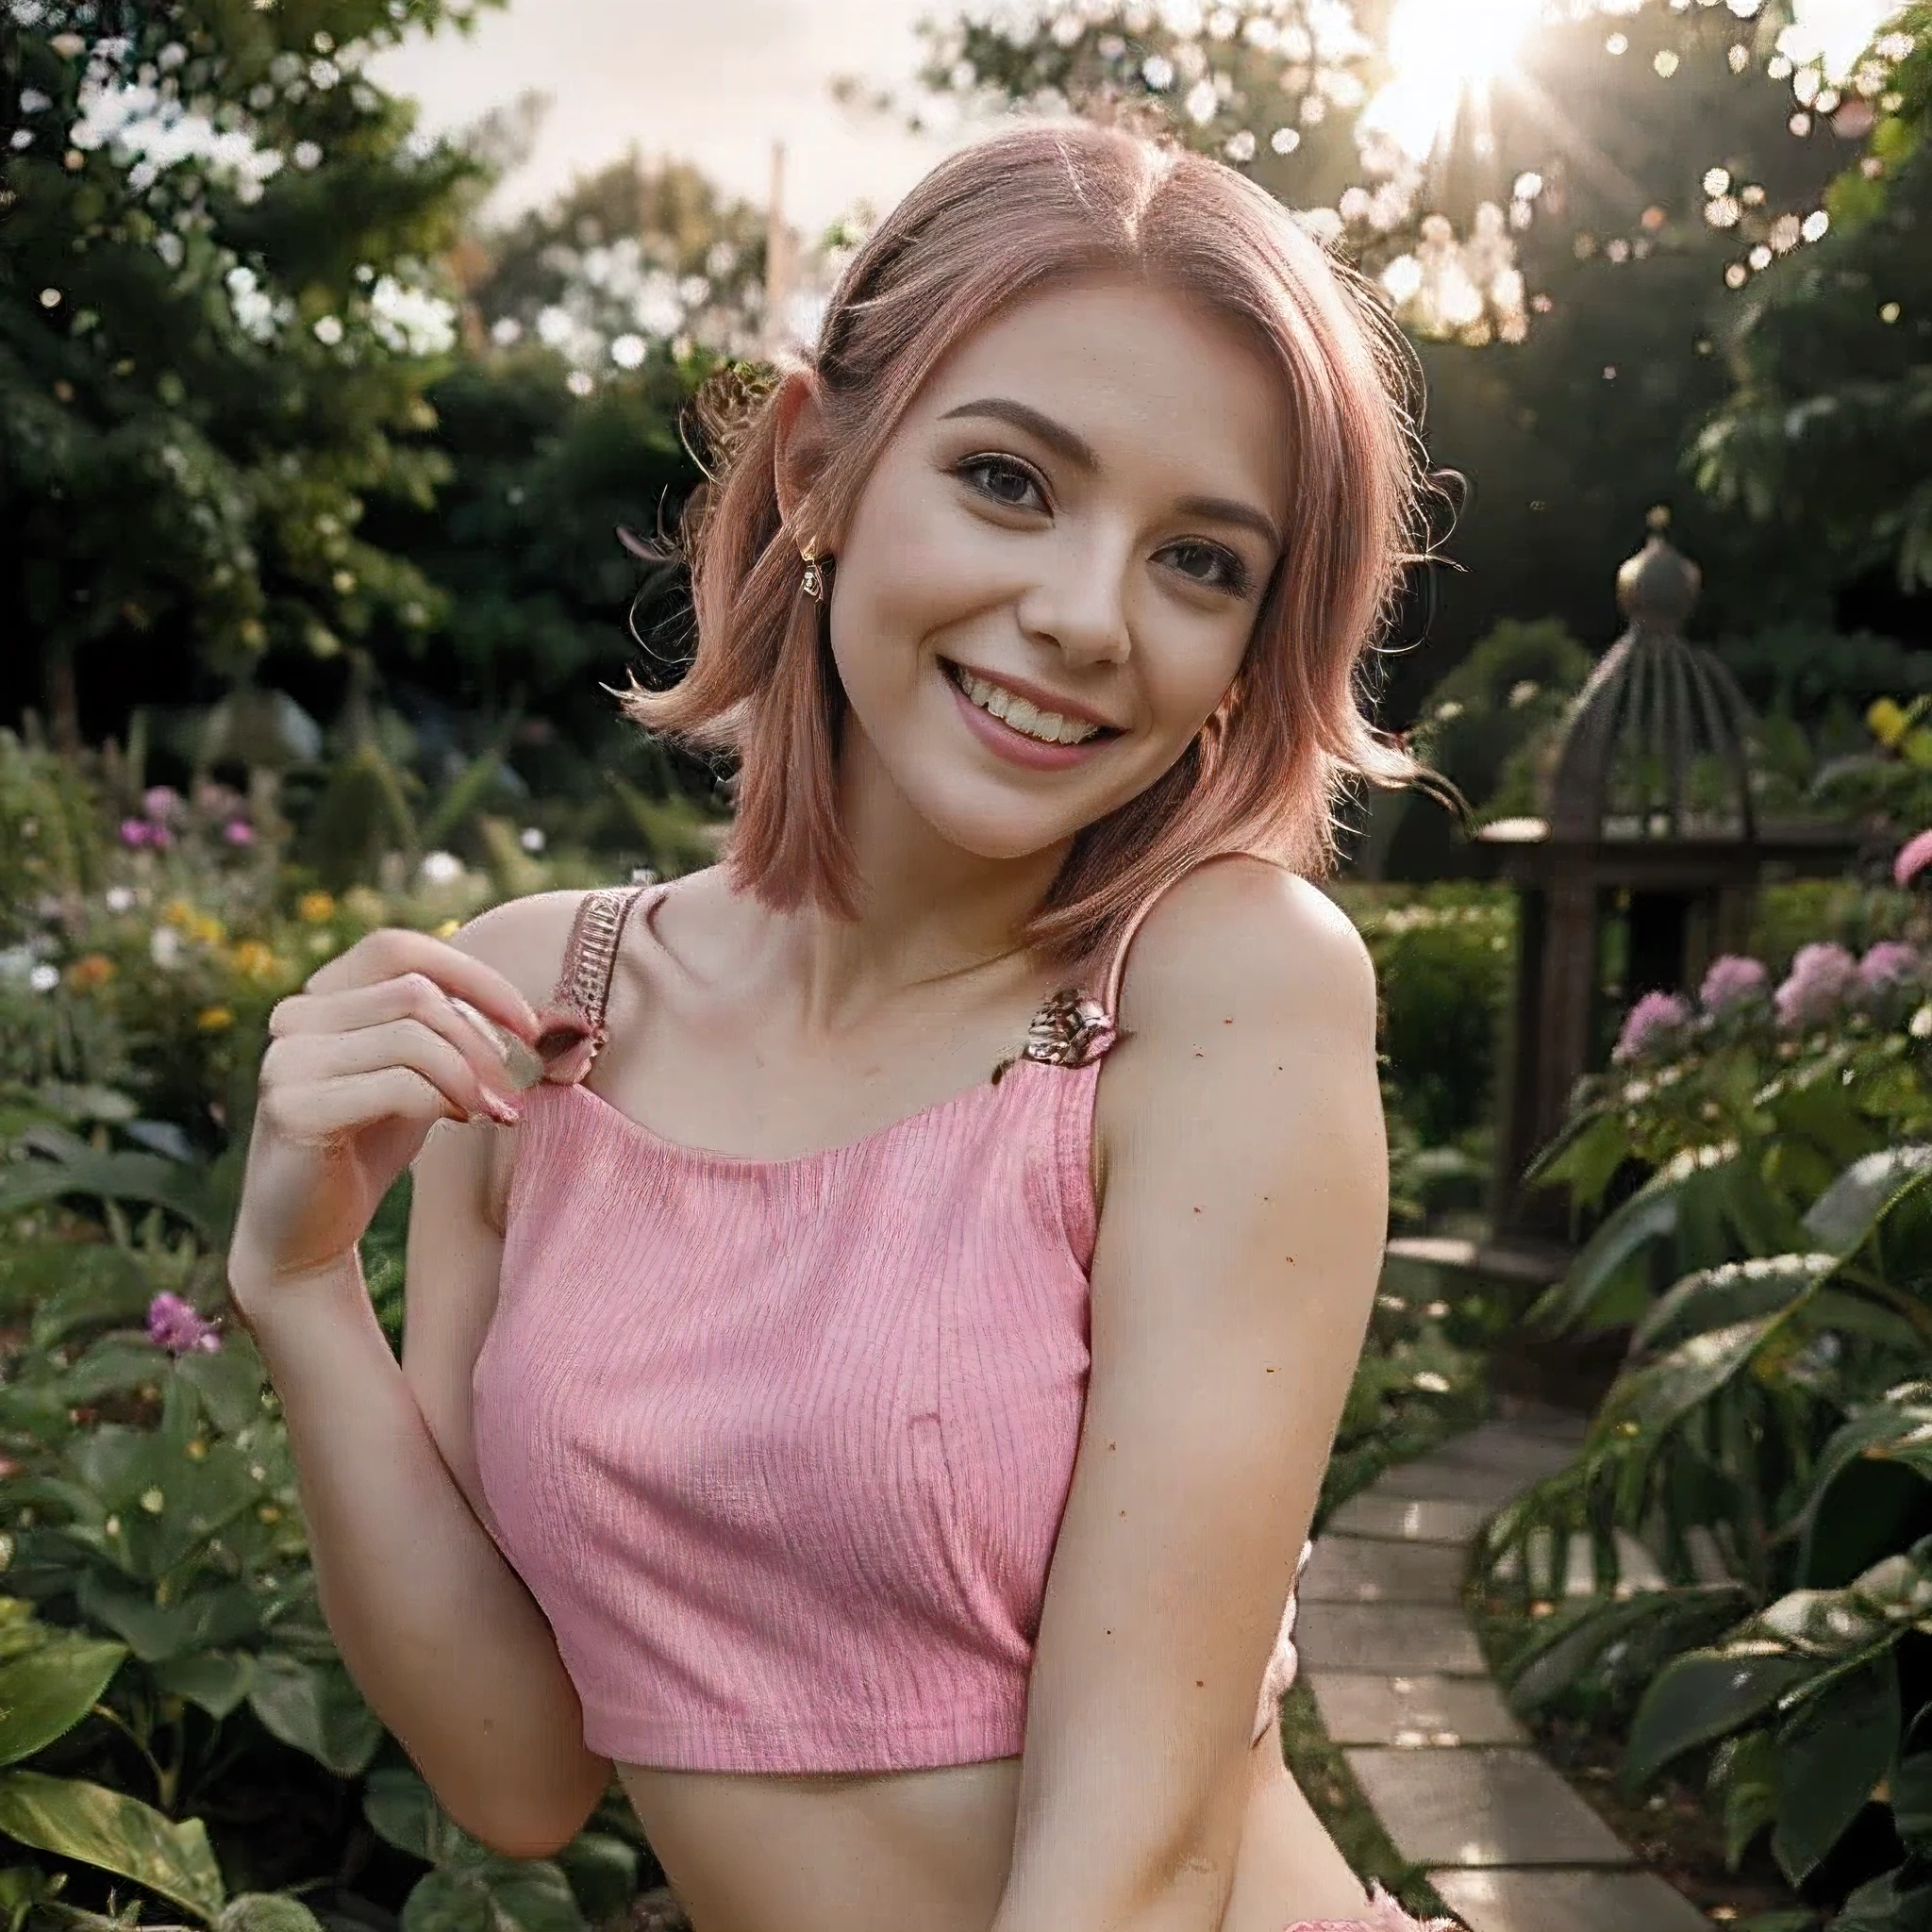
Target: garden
330 491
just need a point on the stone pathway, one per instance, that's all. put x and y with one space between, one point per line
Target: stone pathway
1401 1687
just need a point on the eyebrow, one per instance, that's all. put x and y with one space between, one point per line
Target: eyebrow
1077 451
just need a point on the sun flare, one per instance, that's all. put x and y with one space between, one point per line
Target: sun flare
1447 54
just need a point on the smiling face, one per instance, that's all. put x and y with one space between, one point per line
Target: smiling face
1082 507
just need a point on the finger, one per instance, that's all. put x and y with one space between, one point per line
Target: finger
319 1109
413 997
315 1057
391 951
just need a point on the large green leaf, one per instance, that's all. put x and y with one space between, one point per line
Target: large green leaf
602 1873
215 1680
1649 1215
148 1178
403 1810
115 1362
1744 1778
116 1833
494 1894
45 1692
1704 1696
1901 1901
229 1382
100 1285
316 1707
1736 1291
1831 1754
206 1618
266 1911
1842 1218
1656 1396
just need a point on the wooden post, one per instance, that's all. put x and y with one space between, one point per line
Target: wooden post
781 257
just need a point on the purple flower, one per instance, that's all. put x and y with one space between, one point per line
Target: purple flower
239 832
174 1326
160 803
1655 1013
135 831
1819 977
1914 856
1888 963
1732 977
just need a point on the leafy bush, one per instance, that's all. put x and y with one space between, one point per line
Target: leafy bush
1443 958
1765 1443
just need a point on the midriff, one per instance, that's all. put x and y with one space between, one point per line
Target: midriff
928 1851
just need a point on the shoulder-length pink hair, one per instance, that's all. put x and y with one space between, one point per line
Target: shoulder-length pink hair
998 220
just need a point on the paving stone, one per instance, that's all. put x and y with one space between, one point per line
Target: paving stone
1502 1446
1482 1808
1405 1638
1432 1479
1411 1712
1567 1902
1377 1514
1365 1570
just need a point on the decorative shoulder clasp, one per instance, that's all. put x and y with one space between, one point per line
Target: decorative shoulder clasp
1071 1029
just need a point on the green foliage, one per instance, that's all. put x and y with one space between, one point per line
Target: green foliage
212 362
1442 964
1765 1441
1822 436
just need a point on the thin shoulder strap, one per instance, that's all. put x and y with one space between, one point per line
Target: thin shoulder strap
583 987
1110 993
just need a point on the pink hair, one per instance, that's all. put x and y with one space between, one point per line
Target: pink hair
998 220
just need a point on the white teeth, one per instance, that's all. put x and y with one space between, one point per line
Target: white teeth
1048 727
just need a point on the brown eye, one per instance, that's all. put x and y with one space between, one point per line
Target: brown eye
1003 479
1209 564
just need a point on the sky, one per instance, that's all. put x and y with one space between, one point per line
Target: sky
717 81
710 81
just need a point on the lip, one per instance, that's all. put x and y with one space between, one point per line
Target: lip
1040 698
1015 747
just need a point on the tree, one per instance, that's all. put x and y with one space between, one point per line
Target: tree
219 313
1822 440
634 254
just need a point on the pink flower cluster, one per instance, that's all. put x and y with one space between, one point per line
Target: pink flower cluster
1733 978
176 1326
1653 1014
1914 857
163 807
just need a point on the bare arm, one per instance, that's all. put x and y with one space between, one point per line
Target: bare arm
436 1628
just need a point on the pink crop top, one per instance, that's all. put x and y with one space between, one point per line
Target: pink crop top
782 1447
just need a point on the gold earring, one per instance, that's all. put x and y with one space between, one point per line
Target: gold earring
814 584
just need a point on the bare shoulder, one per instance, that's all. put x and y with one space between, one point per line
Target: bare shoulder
524 939
1247 939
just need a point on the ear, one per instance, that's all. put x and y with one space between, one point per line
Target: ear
798 451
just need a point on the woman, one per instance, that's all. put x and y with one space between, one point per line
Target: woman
883 1440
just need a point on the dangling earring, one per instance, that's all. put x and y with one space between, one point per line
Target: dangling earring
814 584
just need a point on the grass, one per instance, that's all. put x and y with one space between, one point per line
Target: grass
1330 1786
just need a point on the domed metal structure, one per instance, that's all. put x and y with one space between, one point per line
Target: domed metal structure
1656 744
1644 867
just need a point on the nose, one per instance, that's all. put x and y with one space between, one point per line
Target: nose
1078 602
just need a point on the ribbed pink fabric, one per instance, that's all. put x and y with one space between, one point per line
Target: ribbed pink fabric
782 1447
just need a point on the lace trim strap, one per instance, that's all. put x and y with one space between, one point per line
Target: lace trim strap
589 958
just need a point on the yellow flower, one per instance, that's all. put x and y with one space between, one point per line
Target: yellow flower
1887 721
208 929
316 907
90 969
179 914
447 927
214 1018
254 960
